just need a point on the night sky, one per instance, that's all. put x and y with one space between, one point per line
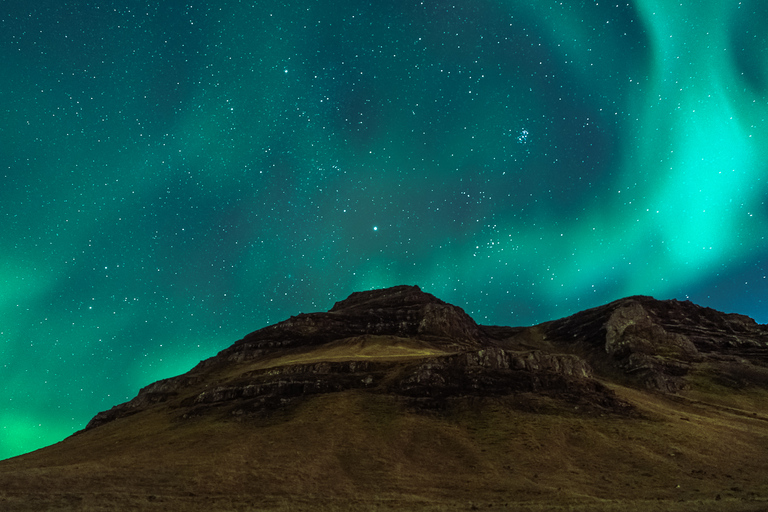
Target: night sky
174 177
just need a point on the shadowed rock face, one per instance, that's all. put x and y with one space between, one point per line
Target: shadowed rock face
446 356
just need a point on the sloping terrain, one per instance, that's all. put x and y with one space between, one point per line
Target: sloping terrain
395 400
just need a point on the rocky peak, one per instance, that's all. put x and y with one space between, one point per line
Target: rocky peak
397 297
408 311
403 311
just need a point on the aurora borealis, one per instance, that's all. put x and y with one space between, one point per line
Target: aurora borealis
177 176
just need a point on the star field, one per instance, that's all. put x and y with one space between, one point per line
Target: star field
178 175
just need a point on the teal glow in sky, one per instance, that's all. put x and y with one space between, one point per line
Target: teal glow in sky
177 176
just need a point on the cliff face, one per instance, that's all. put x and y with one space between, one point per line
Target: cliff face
660 344
410 345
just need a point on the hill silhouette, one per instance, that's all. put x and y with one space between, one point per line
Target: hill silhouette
396 400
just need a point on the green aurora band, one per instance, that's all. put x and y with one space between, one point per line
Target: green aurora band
178 176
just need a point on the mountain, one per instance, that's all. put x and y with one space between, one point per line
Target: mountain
395 400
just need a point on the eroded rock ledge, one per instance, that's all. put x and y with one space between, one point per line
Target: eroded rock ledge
486 372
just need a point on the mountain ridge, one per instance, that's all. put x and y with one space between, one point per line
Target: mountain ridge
657 345
450 343
394 399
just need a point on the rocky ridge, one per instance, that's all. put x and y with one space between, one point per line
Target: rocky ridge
659 344
410 345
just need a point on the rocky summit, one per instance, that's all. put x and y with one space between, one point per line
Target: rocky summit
394 399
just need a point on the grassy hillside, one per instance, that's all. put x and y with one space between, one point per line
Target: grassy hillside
356 450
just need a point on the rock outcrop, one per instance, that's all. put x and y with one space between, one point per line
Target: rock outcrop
403 311
657 344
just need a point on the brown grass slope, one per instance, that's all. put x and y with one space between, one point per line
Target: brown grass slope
357 451
703 447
